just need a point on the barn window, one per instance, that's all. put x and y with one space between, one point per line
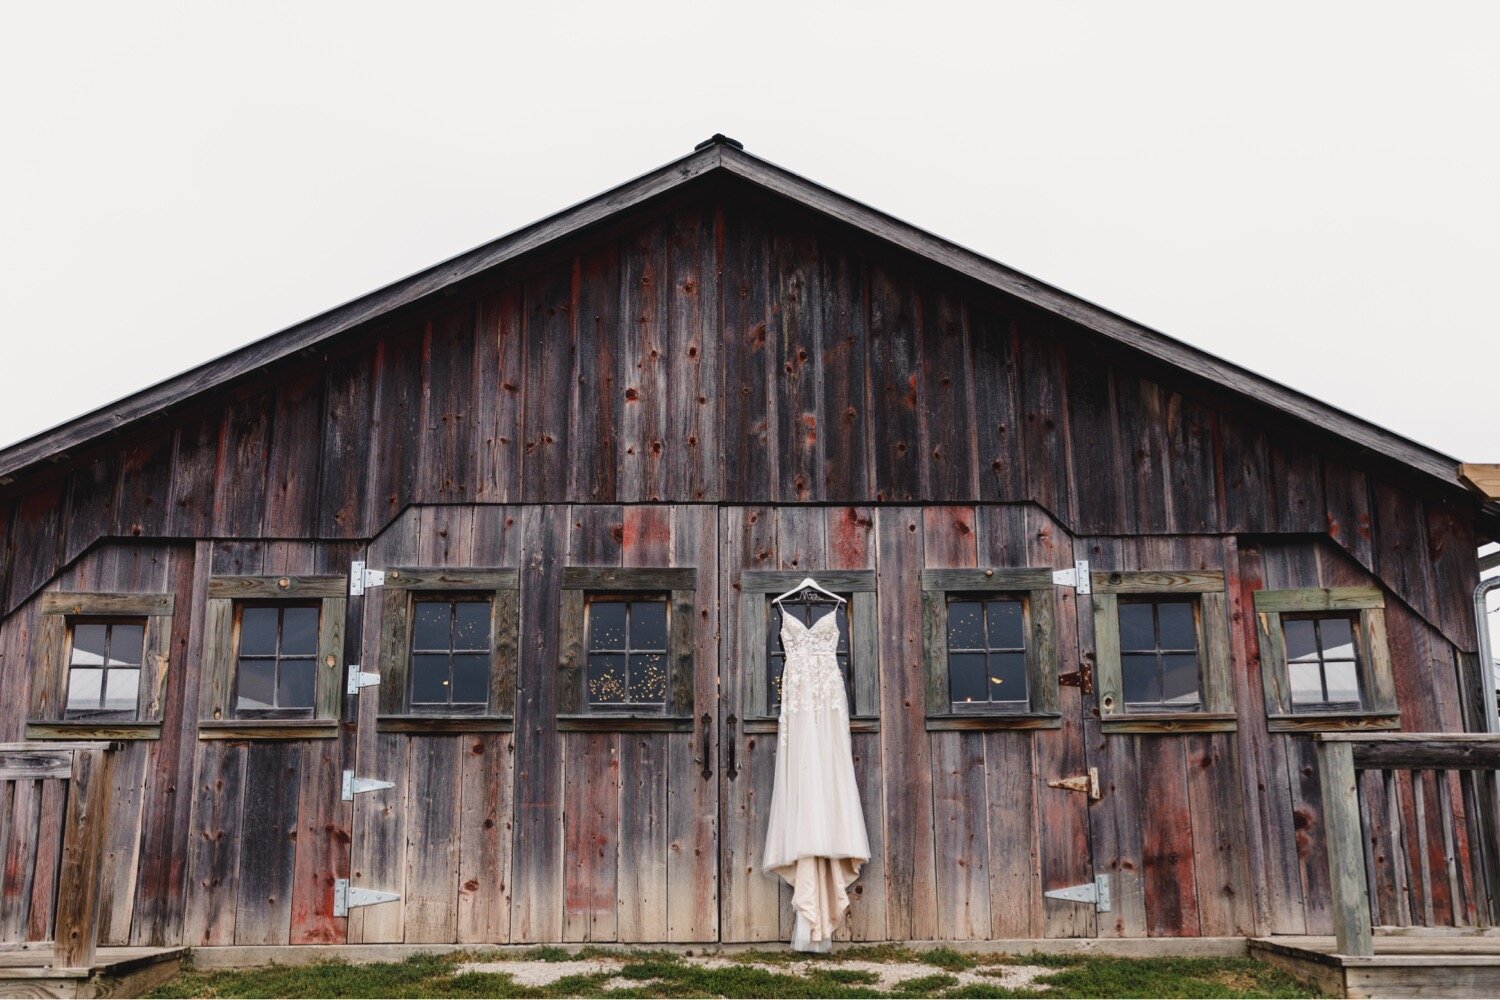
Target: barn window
989 639
276 669
627 651
448 650
1324 659
987 652
104 668
100 665
1161 651
762 659
273 657
1159 655
626 640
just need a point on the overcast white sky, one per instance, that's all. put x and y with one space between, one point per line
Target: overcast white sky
1308 189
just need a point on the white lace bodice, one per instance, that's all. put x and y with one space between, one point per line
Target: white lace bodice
811 680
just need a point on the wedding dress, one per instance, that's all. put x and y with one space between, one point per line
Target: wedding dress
816 837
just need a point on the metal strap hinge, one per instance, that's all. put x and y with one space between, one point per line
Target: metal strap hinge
353 786
1096 892
1077 577
1082 679
361 578
360 679
1080 783
346 897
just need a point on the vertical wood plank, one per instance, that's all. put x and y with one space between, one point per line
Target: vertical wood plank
241 476
911 894
844 419
214 865
895 385
348 397
268 831
291 503
497 396
693 777
598 394
750 446
446 472
79 879
321 838
642 901
432 805
949 442
643 375
795 335
484 839
395 426
537 900
1167 840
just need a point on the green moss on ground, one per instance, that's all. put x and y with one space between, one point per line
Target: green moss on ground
663 974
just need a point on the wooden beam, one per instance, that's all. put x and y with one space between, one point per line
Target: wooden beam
1484 478
1346 859
78 880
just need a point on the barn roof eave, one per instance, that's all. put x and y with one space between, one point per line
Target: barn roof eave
718 157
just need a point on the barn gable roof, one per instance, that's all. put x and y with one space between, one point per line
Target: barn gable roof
723 157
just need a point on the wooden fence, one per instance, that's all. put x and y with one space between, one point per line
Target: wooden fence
54 812
1411 823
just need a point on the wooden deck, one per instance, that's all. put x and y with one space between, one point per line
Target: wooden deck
1449 963
116 972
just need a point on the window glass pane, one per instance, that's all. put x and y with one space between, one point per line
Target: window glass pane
648 678
256 684
1007 676
606 681
1306 681
83 688
126 642
471 625
1180 680
258 631
774 667
648 624
1337 637
965 625
1301 640
120 690
1175 620
607 625
1005 625
968 678
295 686
430 624
471 678
1343 682
842 616
88 644
299 632
1136 629
429 677
1139 680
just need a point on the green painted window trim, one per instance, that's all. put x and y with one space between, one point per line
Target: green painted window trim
216 686
50 649
680 584
1039 595
1378 709
403 585
1206 589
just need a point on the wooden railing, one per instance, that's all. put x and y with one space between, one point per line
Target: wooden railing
55 798
1410 822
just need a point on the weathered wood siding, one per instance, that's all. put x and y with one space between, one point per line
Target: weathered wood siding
728 385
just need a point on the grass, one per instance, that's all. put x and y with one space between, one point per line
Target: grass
752 974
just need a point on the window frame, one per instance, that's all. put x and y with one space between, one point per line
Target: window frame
679 585
1378 708
276 658
1038 593
757 588
52 649
102 715
1206 589
403 587
226 594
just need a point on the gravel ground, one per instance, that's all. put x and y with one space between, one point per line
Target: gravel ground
536 973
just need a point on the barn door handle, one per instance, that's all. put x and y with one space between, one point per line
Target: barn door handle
733 770
707 720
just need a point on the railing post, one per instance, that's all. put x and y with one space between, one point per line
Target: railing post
1346 859
77 915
